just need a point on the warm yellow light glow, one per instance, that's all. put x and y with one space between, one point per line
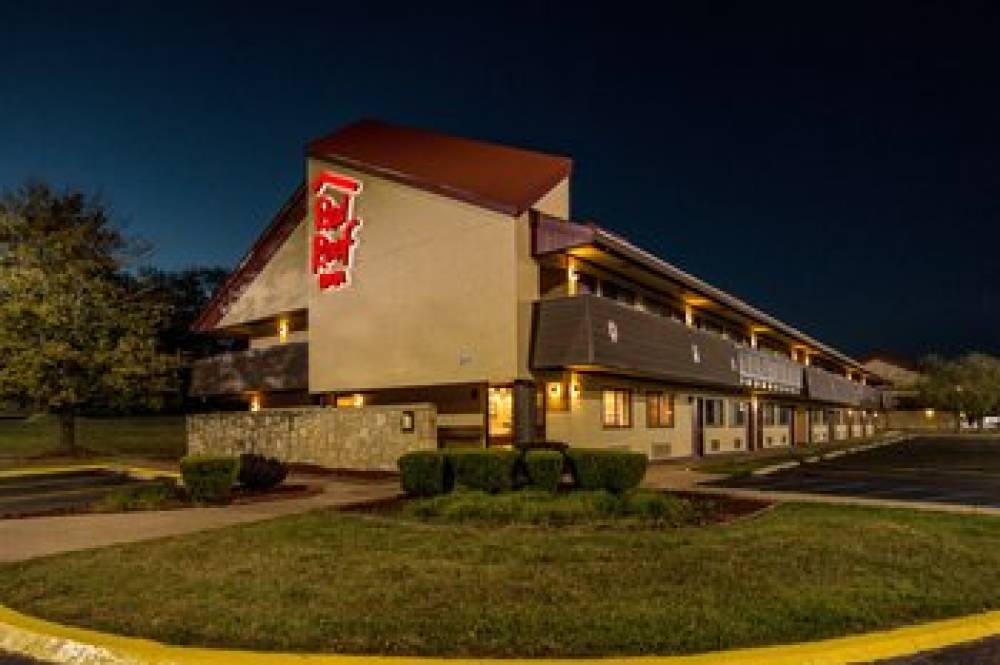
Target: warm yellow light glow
574 386
696 301
689 315
555 389
283 328
359 400
929 413
255 402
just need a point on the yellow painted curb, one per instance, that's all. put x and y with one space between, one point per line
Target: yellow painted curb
144 473
37 638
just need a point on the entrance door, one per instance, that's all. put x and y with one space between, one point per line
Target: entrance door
698 428
501 415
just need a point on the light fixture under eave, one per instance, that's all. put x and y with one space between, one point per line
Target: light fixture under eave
283 329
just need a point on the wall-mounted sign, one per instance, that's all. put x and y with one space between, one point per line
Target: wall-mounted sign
334 228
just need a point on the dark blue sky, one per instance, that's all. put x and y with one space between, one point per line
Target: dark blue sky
838 167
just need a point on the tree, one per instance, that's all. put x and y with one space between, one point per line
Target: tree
968 386
75 331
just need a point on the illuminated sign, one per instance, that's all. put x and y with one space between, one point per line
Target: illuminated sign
335 228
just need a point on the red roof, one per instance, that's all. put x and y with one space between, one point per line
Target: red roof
500 178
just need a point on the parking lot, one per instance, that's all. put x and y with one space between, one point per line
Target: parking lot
944 469
47 493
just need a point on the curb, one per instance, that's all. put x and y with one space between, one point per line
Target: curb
37 638
141 472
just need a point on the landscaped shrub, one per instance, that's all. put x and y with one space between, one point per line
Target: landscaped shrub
558 446
487 470
613 470
209 479
158 495
544 469
261 473
425 473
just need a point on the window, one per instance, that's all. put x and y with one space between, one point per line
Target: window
659 409
738 413
617 408
784 415
767 414
714 416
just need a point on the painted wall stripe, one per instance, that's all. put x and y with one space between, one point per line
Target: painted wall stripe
37 638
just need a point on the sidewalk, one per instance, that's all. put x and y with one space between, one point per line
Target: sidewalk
22 539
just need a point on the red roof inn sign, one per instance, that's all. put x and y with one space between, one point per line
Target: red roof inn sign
335 228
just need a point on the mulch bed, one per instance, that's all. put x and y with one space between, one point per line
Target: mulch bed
719 508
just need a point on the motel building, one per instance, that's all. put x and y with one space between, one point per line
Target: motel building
423 290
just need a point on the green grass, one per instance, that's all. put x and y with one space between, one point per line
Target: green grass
336 582
140 436
638 507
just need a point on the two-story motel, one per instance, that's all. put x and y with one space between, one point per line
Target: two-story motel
412 267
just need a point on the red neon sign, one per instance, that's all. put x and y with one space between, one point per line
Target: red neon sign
335 227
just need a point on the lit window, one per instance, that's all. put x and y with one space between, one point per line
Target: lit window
659 409
617 410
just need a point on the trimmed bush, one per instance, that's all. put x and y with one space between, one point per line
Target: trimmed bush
487 470
525 446
425 473
261 473
209 479
544 469
614 470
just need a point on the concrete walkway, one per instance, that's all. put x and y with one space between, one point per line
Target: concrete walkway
22 539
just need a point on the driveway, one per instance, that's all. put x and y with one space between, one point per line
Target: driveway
941 470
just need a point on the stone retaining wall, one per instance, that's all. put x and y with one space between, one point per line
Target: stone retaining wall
365 438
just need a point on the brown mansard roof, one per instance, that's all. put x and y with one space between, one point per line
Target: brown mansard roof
497 177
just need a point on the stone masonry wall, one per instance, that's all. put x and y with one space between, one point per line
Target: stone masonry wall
365 438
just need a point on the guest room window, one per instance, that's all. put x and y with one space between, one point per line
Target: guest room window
659 409
617 408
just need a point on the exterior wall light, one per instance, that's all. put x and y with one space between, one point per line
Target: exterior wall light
555 389
929 413
255 402
283 329
359 400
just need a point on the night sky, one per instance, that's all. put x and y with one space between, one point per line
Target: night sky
839 168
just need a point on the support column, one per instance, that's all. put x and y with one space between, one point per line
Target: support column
525 411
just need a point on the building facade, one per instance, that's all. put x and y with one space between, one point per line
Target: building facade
416 268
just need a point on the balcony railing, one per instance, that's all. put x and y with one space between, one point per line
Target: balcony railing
588 331
279 367
768 371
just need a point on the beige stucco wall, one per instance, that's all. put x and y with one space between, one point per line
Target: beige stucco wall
582 424
557 202
820 433
731 439
280 287
367 438
920 420
777 436
433 296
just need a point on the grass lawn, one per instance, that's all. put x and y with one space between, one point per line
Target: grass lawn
141 436
339 582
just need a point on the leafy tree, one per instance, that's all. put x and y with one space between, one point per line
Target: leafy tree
75 331
968 385
186 293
